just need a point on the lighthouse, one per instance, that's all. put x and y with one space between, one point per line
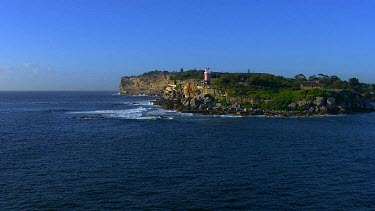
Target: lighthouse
207 76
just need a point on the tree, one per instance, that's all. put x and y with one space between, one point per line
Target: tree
181 70
300 77
313 78
353 82
334 78
338 84
322 76
324 79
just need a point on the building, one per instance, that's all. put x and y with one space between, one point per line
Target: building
207 76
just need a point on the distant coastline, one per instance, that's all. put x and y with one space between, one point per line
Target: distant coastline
244 94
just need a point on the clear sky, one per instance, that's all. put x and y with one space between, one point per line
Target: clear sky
89 45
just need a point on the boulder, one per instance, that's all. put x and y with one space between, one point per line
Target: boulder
293 106
331 102
323 109
194 103
200 97
199 100
186 102
320 101
304 104
207 102
341 109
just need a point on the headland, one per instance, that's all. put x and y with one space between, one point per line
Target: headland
217 93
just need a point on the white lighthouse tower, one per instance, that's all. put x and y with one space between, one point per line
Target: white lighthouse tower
207 74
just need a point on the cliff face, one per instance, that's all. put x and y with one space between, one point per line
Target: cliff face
152 83
337 102
193 96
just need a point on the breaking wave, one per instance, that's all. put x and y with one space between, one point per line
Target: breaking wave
135 113
225 116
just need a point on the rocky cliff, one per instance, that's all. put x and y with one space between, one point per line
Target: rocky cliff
192 95
151 83
337 102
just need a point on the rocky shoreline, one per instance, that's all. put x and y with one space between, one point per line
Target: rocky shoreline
205 105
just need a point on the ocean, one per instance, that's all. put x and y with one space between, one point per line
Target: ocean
103 151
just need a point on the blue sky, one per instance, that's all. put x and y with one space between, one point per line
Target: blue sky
89 45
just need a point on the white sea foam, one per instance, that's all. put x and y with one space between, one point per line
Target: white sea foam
146 103
142 103
325 115
221 116
136 113
186 114
228 116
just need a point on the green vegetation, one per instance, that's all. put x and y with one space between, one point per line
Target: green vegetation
274 99
189 74
155 72
276 92
240 82
209 96
224 102
270 91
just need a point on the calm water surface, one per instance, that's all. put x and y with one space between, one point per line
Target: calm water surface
96 150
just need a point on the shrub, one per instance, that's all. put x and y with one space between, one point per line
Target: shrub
224 102
210 96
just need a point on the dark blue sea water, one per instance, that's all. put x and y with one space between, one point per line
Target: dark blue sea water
96 150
